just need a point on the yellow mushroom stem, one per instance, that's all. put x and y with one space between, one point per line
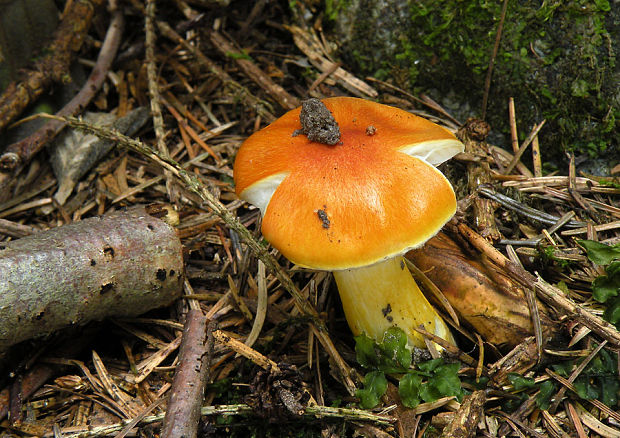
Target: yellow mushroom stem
383 295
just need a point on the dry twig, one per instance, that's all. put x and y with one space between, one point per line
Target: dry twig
17 155
192 374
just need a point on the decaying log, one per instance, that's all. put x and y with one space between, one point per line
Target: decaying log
123 264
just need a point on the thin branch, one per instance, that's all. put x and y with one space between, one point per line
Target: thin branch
53 66
487 81
190 378
151 73
19 154
312 412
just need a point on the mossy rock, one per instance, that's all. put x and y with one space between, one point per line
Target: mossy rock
557 58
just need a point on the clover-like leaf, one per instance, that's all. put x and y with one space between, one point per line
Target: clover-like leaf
429 393
519 382
607 286
446 380
375 385
395 351
365 352
609 390
543 398
586 390
409 389
612 312
564 369
430 365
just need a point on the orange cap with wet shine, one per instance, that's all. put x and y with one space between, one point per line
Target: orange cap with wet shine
372 196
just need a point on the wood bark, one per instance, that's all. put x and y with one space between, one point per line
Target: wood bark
191 376
119 265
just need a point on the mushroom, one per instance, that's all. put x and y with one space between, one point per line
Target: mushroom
355 206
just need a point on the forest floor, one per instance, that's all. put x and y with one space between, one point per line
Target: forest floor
277 354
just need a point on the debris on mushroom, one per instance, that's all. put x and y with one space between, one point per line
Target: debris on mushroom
317 123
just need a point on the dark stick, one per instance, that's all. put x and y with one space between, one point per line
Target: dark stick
17 155
35 377
53 66
190 378
487 80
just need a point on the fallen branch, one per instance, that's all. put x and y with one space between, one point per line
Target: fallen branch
52 67
123 264
155 97
311 412
17 155
190 378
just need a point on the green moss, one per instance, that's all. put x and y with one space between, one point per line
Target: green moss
557 58
334 7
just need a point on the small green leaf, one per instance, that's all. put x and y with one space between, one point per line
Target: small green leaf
562 286
375 385
430 365
409 389
429 393
609 390
512 404
600 253
564 369
447 379
481 383
336 403
603 5
543 398
238 55
613 271
394 348
443 382
607 286
609 362
519 382
365 351
612 312
585 389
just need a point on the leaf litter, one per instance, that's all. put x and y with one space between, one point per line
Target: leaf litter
282 351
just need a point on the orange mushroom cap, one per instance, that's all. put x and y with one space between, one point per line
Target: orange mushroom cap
358 202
